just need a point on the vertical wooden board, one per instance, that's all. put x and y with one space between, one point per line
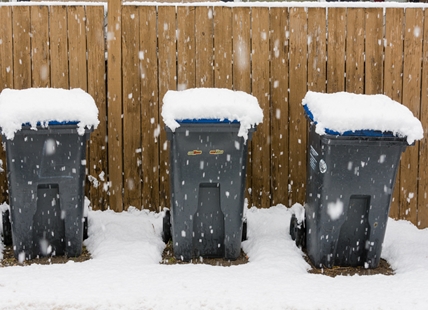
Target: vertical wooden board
393 80
317 49
411 99
241 48
261 143
204 45
150 126
97 167
423 149
186 47
241 72
167 81
77 67
373 83
336 49
114 104
76 18
6 80
58 47
40 46
21 47
223 47
279 105
6 54
298 82
131 107
355 34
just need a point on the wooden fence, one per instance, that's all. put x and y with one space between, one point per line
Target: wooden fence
275 53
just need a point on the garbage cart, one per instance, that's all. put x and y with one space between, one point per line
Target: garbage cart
208 155
46 168
351 172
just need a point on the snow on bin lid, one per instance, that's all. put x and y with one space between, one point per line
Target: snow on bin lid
343 112
212 103
43 105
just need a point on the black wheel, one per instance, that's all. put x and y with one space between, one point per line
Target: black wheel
166 227
244 231
85 228
7 228
298 232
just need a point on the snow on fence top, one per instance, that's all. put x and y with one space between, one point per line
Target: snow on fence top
212 103
343 111
39 106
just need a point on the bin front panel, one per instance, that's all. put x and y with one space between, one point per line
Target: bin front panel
46 175
350 186
208 169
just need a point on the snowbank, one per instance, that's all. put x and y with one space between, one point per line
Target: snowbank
343 112
42 105
124 272
212 103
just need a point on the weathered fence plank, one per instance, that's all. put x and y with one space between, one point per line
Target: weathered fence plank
22 47
76 18
355 34
374 51
131 108
336 49
223 47
279 104
422 220
186 48
97 166
204 44
261 144
412 99
150 126
297 121
393 81
40 47
59 47
317 49
114 105
167 81
241 70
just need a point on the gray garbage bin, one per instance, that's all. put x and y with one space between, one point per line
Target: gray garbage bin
350 182
45 131
208 130
46 177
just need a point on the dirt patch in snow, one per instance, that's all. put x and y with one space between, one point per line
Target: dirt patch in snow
168 258
10 260
383 268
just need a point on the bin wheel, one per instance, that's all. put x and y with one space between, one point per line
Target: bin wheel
297 232
166 227
7 228
244 231
85 228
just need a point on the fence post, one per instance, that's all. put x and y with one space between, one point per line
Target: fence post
114 103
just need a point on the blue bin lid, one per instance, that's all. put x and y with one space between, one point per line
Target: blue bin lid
207 121
363 133
54 123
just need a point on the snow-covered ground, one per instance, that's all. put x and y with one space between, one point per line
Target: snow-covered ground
125 272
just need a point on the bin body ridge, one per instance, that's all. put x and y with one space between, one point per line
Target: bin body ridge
46 176
350 186
208 170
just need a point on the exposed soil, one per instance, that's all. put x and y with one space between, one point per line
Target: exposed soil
383 268
10 260
169 259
